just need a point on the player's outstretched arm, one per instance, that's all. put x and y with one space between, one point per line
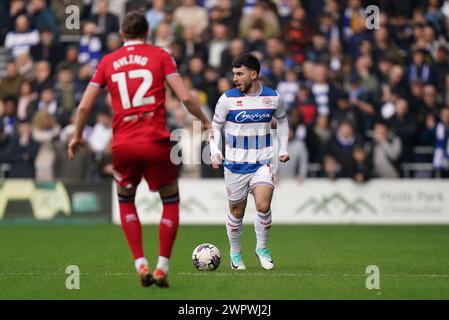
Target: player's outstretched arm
82 114
191 103
282 130
214 141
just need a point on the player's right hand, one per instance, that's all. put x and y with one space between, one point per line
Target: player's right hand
206 125
216 160
73 145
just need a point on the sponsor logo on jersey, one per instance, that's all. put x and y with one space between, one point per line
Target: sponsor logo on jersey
250 116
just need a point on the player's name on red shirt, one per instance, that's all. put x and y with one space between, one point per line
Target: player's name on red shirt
130 59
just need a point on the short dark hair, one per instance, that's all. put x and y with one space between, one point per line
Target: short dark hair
135 25
381 122
247 60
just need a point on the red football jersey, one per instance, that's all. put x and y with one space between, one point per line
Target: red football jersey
134 76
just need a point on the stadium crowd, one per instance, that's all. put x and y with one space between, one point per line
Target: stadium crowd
362 102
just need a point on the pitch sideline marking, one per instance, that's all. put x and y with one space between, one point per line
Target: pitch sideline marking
233 274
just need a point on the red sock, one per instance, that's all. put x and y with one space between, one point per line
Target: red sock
131 225
168 227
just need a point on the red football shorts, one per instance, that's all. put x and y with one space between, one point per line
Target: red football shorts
151 161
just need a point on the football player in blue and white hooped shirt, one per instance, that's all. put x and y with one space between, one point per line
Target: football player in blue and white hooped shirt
246 113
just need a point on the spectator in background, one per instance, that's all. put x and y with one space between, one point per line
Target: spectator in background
217 44
255 41
113 42
384 46
22 38
9 86
264 18
306 105
45 130
101 134
42 17
25 65
276 72
77 168
363 68
189 14
427 132
71 59
341 146
318 51
26 97
21 152
328 27
275 49
362 100
331 168
386 150
229 15
442 66
9 11
347 112
192 47
298 165
431 103
441 154
65 91
363 166
353 22
405 126
288 88
9 117
317 138
323 90
105 21
236 48
48 49
47 102
196 73
163 37
416 101
297 33
43 76
156 14
90 45
419 69
211 77
335 57
118 7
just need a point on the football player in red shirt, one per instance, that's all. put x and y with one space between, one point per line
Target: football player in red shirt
134 76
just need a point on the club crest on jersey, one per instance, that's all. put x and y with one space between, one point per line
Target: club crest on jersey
239 103
267 101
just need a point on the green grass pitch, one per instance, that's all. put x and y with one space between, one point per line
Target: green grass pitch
312 262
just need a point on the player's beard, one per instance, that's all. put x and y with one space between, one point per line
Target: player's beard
244 87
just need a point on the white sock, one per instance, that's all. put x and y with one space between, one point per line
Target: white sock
140 261
262 225
162 263
234 231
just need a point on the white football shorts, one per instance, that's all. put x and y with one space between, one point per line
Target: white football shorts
239 185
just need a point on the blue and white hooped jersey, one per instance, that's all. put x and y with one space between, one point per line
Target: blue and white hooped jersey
246 121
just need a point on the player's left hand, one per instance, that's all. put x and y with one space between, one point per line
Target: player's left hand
216 160
284 157
73 145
